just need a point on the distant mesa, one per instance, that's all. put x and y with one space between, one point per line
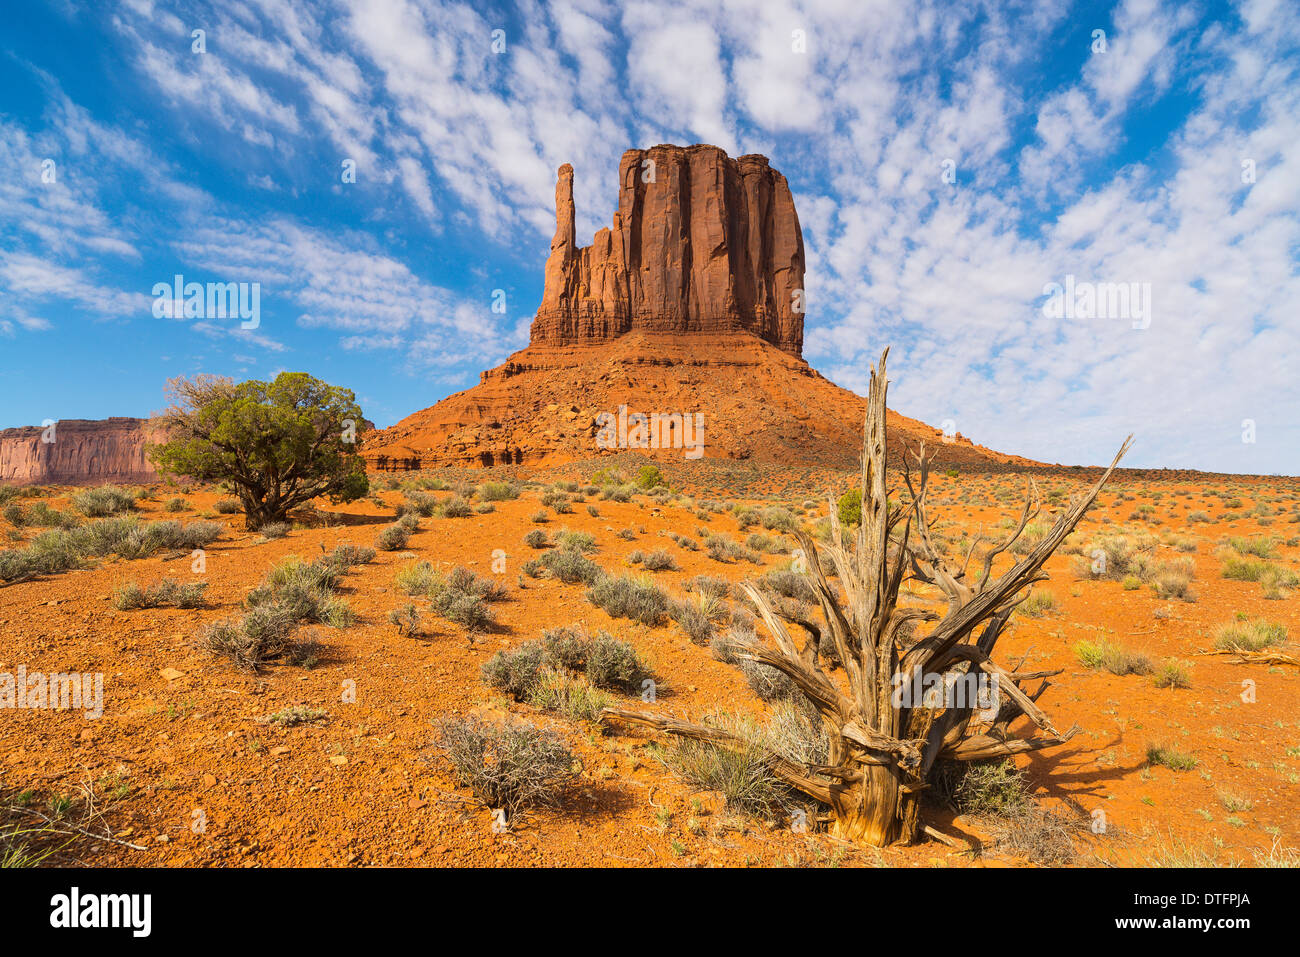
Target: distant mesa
692 302
82 451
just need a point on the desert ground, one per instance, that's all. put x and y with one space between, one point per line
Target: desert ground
327 756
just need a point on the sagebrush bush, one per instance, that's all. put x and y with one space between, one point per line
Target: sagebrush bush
346 555
660 560
251 640
1101 655
572 697
406 618
304 591
497 492
694 619
584 542
457 507
570 566
105 500
392 538
536 539
1249 635
623 597
416 578
227 506
612 663
509 767
514 671
58 550
165 592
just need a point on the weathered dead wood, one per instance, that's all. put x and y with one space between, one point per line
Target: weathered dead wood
1246 657
883 746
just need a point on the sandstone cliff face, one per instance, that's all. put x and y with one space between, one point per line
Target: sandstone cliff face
701 243
83 452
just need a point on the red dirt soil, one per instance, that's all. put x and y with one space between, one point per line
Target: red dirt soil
181 730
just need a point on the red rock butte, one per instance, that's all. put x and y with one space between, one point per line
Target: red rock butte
701 244
690 304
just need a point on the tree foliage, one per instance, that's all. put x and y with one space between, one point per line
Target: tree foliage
277 445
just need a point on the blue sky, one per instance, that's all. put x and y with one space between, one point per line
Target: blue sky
949 163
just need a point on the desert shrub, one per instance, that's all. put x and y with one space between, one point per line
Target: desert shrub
462 597
1249 635
39 515
759 542
275 529
1159 755
58 550
252 639
297 714
1102 655
722 549
1172 674
572 697
457 507
537 538
850 508
406 619
346 555
616 494
995 792
418 503
105 500
304 591
1038 604
612 663
175 505
511 766
789 584
416 578
693 618
515 671
392 538
226 506
1172 579
779 519
567 647
462 579
497 492
165 592
624 597
1245 569
736 769
1259 547
649 477
570 566
584 542
708 585
660 560
409 522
